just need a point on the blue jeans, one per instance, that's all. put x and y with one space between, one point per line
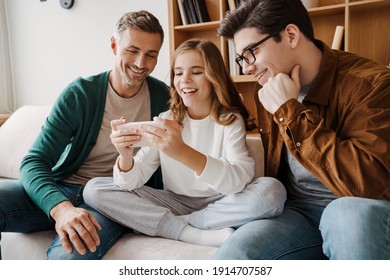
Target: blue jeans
18 213
352 228
356 228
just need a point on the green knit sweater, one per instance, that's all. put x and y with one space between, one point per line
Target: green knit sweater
70 133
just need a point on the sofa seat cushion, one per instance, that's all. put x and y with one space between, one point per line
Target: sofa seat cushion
33 246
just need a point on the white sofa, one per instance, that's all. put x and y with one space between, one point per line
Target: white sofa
17 135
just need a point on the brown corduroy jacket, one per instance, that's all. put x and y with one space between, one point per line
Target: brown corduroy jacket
341 131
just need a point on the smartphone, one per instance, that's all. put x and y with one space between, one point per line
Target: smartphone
137 125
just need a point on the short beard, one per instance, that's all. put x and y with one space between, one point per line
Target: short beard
132 82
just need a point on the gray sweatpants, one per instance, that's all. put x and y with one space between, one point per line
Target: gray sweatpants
155 212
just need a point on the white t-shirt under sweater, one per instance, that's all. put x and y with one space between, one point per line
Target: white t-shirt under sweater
229 167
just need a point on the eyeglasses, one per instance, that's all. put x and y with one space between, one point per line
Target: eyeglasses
248 56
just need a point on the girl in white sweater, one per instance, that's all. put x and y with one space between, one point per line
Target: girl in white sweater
201 147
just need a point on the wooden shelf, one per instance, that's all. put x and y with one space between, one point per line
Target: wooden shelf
366 24
199 26
244 79
360 18
327 10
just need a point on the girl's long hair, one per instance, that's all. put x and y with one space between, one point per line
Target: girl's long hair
226 100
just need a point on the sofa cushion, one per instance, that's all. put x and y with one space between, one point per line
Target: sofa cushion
33 246
17 135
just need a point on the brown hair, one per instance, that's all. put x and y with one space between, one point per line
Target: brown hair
268 17
142 20
225 97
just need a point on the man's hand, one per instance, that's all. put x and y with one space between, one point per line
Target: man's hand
75 225
279 89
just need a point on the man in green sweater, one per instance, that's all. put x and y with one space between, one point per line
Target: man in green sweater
74 145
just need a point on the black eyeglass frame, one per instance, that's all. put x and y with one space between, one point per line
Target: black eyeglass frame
241 58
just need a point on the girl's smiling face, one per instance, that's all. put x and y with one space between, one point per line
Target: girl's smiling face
192 85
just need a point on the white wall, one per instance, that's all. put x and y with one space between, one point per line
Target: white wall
6 97
51 46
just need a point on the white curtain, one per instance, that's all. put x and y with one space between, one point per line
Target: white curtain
7 98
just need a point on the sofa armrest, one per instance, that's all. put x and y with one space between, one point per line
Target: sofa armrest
3 118
17 135
256 151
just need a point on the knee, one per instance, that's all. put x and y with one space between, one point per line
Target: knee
337 215
270 190
341 212
353 228
93 191
347 212
269 196
347 216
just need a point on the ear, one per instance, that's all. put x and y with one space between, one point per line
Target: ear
293 35
113 44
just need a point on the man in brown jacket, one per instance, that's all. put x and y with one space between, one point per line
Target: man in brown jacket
324 118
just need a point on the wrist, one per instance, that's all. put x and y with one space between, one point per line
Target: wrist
124 164
59 208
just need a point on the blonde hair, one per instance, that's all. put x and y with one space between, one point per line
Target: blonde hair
226 101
